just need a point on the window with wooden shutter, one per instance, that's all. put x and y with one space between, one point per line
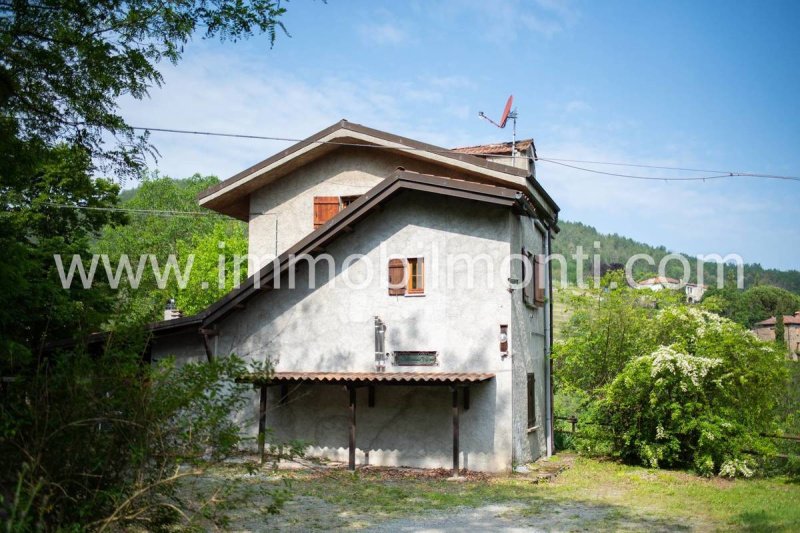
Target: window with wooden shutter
397 277
325 208
538 279
528 288
531 401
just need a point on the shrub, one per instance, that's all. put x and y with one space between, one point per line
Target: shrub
104 441
691 390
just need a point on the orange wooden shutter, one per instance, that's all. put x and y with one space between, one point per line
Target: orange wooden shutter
325 208
538 275
397 277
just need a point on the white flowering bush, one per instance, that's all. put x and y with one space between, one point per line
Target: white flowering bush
693 389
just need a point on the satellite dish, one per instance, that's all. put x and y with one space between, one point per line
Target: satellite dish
507 114
506 111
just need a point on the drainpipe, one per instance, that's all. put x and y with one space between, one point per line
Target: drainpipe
551 431
548 341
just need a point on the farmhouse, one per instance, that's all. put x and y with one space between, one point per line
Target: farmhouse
765 330
389 296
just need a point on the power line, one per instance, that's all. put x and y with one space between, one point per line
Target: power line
717 174
693 178
156 212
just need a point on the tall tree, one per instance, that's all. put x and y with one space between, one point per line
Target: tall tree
780 330
65 63
48 205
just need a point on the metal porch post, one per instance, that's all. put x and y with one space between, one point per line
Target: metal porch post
262 421
455 432
352 458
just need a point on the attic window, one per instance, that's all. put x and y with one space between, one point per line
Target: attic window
327 207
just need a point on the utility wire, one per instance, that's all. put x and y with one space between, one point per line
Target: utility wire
693 178
717 174
157 212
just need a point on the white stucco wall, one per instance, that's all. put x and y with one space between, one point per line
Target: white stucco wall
528 353
281 213
331 329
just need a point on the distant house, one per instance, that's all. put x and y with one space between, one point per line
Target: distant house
443 371
765 330
658 283
694 292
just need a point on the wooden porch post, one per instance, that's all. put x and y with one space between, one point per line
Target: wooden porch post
352 458
455 432
262 421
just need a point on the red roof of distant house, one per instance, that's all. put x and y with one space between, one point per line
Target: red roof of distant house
787 319
659 279
495 148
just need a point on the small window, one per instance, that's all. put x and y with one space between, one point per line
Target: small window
416 275
407 276
347 200
531 401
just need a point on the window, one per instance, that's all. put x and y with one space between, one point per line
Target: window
531 401
533 292
407 276
327 207
416 275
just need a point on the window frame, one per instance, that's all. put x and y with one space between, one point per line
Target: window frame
530 384
419 264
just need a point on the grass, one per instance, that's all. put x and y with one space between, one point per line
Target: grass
592 494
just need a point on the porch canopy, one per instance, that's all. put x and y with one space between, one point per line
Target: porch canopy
353 380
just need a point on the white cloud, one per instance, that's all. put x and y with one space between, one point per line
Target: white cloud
386 33
504 21
217 92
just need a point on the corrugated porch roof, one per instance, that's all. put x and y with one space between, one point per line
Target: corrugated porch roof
393 378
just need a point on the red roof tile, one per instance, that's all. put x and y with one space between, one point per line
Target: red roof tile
495 148
787 319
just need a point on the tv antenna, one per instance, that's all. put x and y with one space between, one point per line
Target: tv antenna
507 114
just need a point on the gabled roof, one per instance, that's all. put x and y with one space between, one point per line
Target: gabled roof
344 222
787 319
230 196
501 148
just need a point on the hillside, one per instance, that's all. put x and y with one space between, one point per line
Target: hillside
617 249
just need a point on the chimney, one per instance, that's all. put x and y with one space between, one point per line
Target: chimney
171 311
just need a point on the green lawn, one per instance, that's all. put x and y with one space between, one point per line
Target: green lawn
601 495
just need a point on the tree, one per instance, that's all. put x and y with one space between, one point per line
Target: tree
63 65
50 205
780 331
180 229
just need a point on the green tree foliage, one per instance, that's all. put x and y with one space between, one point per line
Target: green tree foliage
40 199
666 384
173 233
608 328
780 331
751 305
64 65
618 249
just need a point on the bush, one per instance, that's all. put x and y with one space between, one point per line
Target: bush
107 441
691 390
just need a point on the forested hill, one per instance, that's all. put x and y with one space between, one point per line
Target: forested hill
617 249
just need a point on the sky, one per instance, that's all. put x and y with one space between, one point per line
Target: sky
709 84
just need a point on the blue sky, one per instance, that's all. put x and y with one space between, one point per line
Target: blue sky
707 84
